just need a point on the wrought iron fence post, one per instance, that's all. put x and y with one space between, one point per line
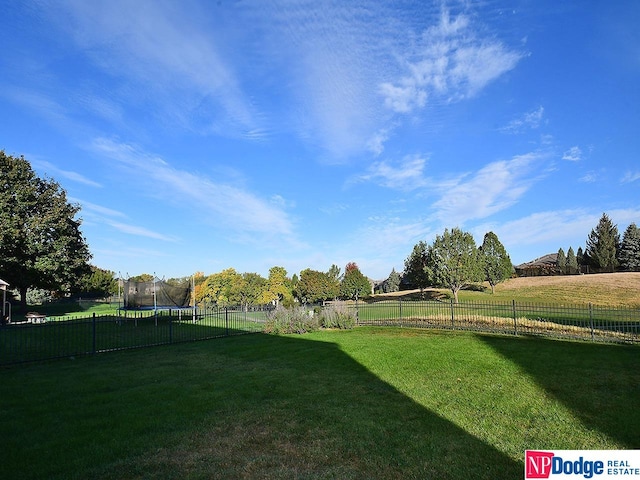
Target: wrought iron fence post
93 334
515 321
171 327
400 300
593 339
226 319
453 325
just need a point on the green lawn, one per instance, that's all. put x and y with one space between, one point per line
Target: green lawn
366 403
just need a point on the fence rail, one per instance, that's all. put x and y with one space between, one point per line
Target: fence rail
71 336
583 322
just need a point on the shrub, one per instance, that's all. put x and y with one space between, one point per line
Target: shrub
291 320
338 315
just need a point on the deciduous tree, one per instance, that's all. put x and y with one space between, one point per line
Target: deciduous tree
41 245
98 283
453 261
354 284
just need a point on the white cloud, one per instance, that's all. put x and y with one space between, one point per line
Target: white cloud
240 211
530 120
574 154
406 175
630 177
168 56
450 62
68 174
493 188
140 231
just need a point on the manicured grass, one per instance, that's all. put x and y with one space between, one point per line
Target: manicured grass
367 403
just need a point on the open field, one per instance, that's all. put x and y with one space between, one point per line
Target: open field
603 289
367 403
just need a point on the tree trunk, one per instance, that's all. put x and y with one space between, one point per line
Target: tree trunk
23 298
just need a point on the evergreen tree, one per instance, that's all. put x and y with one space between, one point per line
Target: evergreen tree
603 244
630 249
572 261
561 261
415 267
496 263
393 282
580 257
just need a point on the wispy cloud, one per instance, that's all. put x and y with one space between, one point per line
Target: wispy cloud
141 231
574 154
237 209
630 177
405 175
493 188
451 62
530 120
169 58
94 209
57 172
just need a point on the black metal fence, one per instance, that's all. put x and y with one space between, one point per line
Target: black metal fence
581 322
60 337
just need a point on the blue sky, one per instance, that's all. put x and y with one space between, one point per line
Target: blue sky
202 135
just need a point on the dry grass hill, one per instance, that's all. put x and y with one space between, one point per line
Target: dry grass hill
605 289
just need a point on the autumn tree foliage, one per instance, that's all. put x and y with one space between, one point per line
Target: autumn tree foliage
354 284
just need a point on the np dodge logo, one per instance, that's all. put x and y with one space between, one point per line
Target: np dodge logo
542 464
604 464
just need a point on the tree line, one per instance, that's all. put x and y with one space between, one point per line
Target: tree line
42 249
605 251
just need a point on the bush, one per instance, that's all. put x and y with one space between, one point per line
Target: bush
302 320
291 320
338 315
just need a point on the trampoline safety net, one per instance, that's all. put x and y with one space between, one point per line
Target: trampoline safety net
156 294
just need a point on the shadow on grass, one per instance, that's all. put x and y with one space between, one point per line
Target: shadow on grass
599 384
255 406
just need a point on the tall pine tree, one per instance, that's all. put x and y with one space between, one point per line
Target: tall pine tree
603 244
630 249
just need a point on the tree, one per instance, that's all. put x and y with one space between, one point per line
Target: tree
415 267
630 249
98 283
561 261
495 260
393 282
453 260
41 245
278 287
222 288
354 284
572 261
580 257
249 289
314 286
603 244
334 278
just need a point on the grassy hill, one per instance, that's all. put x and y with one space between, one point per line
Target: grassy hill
604 289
